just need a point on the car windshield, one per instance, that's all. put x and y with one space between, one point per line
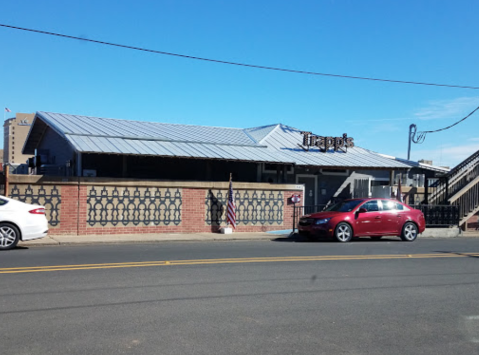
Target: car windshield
345 206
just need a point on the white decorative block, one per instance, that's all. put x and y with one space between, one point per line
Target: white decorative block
226 230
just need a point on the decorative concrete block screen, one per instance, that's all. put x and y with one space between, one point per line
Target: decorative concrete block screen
118 206
133 206
43 195
253 207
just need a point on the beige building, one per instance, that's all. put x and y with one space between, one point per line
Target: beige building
15 131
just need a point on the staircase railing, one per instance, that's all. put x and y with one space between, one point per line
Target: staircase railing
455 180
467 200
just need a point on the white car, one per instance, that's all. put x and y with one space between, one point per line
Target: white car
20 221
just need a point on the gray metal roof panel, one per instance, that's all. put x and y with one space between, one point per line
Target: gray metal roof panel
288 140
279 142
259 133
86 125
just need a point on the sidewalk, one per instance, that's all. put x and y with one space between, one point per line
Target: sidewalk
148 238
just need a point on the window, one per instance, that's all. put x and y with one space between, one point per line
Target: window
389 205
371 206
346 206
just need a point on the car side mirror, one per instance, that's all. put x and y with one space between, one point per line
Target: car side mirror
362 210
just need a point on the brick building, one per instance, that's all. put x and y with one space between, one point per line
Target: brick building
15 132
99 175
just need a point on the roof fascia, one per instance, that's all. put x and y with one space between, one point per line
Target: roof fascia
39 116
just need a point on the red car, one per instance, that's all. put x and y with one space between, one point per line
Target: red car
370 217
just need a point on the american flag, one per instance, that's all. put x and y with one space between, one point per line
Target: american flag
231 210
7 109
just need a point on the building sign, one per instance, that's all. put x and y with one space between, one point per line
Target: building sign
326 143
24 122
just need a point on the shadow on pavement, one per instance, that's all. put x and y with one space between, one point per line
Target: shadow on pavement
296 238
20 247
460 254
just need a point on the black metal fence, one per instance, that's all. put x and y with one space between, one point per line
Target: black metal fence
439 215
435 215
302 210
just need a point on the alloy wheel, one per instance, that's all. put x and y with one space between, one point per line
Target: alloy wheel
8 237
409 232
343 233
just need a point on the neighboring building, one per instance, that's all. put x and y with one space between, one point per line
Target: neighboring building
15 131
424 161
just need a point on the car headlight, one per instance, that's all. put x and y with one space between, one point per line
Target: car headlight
322 221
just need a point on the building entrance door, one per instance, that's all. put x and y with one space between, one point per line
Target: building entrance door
310 184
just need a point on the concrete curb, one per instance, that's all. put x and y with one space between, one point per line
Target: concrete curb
156 238
69 240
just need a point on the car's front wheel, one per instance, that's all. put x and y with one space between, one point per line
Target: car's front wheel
9 236
343 232
409 232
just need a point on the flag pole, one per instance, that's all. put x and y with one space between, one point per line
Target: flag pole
229 191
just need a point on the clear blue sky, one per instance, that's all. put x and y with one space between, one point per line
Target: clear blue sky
428 41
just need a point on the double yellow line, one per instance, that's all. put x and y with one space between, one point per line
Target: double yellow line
18 270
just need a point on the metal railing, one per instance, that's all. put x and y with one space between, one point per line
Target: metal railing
455 180
439 215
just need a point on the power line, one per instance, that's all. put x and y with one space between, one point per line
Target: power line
420 137
462 119
240 64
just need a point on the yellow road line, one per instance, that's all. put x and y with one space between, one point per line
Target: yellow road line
17 270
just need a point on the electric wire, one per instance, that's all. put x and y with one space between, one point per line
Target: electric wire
238 63
420 137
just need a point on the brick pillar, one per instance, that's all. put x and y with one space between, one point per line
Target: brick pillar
289 208
68 211
82 210
193 211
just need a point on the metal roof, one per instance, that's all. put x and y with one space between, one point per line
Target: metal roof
270 144
415 164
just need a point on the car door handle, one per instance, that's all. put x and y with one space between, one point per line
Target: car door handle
378 217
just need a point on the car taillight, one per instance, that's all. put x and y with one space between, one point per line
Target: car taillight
37 211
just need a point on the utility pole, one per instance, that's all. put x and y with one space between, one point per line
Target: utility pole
411 127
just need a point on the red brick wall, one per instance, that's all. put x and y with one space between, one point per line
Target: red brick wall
68 211
74 210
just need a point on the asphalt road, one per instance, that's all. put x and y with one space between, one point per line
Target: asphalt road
386 297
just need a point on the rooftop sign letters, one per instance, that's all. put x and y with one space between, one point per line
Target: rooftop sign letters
24 122
326 143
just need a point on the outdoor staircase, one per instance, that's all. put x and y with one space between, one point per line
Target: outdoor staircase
459 187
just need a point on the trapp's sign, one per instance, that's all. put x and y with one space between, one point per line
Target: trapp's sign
326 143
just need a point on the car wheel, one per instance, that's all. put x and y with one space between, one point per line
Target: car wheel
376 238
9 236
343 232
409 232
